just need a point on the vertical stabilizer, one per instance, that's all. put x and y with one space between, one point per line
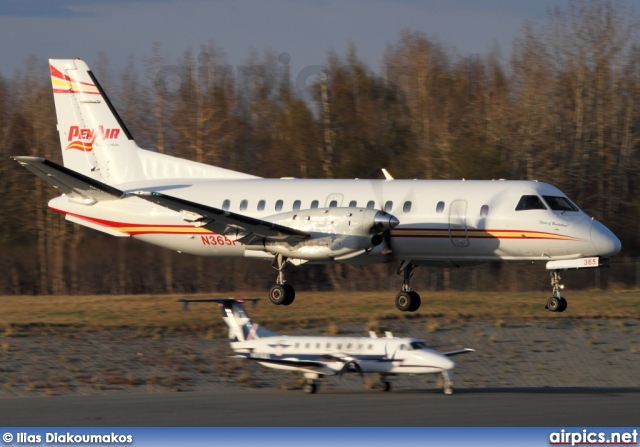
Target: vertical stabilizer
240 326
94 140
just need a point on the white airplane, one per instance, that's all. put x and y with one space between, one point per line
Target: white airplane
111 185
317 357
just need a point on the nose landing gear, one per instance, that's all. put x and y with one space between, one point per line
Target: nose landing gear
556 303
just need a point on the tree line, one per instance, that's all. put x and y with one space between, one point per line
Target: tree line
563 107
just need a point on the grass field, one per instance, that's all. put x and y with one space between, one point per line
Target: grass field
21 314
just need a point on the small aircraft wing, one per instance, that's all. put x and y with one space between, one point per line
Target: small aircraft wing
75 185
223 221
287 362
459 351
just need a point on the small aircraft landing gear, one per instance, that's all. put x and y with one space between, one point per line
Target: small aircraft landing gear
448 383
281 293
311 383
556 303
407 300
384 384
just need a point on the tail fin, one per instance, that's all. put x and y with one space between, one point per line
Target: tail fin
240 326
94 140
96 143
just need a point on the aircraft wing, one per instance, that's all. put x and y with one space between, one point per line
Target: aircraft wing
459 351
224 222
75 185
288 362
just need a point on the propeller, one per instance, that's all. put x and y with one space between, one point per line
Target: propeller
348 366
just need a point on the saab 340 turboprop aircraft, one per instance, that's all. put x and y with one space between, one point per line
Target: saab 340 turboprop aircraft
111 185
319 356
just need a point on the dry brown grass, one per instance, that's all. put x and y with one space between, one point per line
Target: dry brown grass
152 315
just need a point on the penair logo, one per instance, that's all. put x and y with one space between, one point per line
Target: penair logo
83 139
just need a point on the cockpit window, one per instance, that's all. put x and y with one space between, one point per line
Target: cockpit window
419 345
530 203
560 203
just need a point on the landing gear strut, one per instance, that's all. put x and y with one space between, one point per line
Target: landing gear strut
310 383
281 293
407 300
448 383
556 303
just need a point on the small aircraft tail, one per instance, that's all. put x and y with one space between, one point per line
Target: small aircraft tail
95 141
241 328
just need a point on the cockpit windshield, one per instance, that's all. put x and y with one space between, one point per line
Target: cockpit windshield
419 345
530 203
560 203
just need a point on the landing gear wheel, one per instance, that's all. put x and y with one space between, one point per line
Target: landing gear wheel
415 301
404 301
553 304
310 387
563 305
407 301
386 386
278 294
289 293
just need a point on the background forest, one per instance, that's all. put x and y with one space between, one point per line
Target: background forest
563 107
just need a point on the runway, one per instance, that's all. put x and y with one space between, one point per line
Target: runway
467 407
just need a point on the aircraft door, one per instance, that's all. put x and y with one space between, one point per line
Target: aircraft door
458 223
334 200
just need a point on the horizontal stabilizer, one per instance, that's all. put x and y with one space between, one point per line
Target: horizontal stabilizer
458 352
76 186
224 222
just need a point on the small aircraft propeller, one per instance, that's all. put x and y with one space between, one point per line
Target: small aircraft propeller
347 367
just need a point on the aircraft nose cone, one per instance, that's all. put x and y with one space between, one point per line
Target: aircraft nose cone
604 241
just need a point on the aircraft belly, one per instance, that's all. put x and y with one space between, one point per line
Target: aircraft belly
192 244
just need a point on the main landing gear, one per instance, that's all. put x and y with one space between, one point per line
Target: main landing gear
407 300
556 303
281 293
311 383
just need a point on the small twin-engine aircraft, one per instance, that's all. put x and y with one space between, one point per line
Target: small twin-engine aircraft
111 185
317 357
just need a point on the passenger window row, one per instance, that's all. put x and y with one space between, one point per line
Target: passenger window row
526 202
297 204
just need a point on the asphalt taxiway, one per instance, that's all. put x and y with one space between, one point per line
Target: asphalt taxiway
467 407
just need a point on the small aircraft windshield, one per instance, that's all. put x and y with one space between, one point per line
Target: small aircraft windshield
560 203
530 203
419 345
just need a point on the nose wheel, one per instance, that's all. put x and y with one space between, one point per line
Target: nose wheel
556 303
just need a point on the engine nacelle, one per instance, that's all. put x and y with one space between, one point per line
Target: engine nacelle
336 233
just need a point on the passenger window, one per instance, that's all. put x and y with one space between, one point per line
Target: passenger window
333 204
226 204
314 204
308 345
353 204
388 206
560 203
328 345
370 347
406 208
440 207
296 205
243 205
484 210
279 205
261 205
317 345
530 203
370 204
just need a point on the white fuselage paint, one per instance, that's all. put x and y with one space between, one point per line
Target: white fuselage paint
477 223
373 355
